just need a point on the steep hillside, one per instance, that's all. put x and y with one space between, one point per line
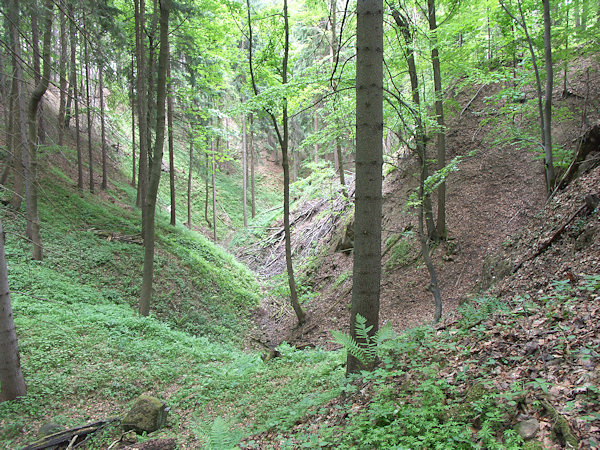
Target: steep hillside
494 194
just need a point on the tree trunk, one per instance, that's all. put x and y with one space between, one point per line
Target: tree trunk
206 185
103 130
63 79
338 157
171 145
189 184
37 71
34 102
283 142
549 165
244 171
251 147
420 138
11 378
214 195
369 161
132 94
439 112
140 6
155 169
73 83
88 114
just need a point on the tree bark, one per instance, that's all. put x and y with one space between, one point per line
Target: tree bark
73 83
171 144
88 114
63 79
548 162
369 161
103 129
11 377
37 71
133 103
283 142
439 112
189 184
251 147
214 194
244 172
155 169
34 102
140 6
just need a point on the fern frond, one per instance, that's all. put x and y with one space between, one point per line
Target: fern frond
350 345
383 334
219 438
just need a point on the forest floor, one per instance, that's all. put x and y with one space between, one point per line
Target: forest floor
495 193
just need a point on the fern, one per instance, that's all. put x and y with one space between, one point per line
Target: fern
219 438
367 348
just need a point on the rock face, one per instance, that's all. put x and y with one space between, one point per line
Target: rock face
147 414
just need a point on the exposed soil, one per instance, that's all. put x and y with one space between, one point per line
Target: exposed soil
495 194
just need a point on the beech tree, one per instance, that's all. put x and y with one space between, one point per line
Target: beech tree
369 160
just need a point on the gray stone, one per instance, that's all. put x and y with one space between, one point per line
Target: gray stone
527 429
147 414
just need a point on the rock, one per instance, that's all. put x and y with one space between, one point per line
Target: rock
147 414
49 428
527 429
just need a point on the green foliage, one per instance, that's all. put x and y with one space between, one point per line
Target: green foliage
402 247
365 348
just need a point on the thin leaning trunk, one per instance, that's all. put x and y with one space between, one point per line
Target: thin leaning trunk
441 127
132 94
283 142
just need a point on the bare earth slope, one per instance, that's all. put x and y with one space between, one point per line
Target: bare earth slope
495 193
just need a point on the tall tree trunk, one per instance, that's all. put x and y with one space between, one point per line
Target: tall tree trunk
11 142
439 112
63 79
140 6
549 164
132 94
283 142
316 130
11 378
244 172
89 114
20 146
420 138
37 71
171 144
206 185
214 194
251 147
75 93
34 102
103 129
369 160
189 184
150 201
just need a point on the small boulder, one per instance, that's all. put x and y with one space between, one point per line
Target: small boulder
147 414
527 429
